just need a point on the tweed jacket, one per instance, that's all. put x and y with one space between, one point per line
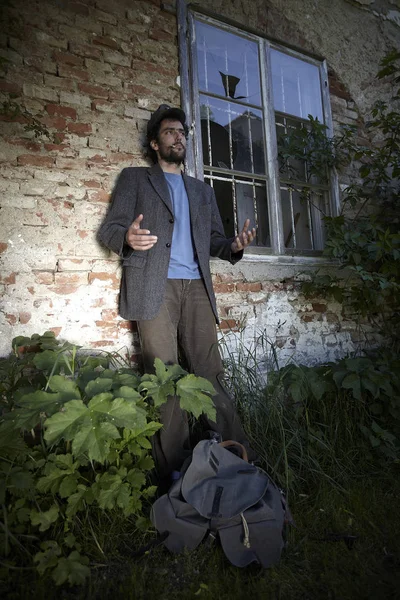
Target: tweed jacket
142 190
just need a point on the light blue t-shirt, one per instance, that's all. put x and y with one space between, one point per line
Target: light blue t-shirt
182 264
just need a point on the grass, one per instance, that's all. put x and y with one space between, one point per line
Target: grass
344 501
317 563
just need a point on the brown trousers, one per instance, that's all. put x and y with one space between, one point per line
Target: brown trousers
185 328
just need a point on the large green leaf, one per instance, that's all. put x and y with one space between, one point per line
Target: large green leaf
159 392
48 558
44 519
94 439
127 392
11 443
127 378
97 386
76 501
66 387
119 411
167 372
72 569
65 424
191 390
45 361
42 402
353 382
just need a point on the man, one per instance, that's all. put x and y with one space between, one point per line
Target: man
165 226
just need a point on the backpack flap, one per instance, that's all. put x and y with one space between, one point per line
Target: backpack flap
256 535
219 484
185 527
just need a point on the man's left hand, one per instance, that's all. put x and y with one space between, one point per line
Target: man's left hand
245 237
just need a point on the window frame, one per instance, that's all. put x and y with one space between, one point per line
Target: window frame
194 164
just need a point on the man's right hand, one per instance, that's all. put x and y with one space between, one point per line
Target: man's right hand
139 239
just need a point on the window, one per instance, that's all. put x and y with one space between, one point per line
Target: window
243 94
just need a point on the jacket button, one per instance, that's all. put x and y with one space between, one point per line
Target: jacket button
171 220
168 245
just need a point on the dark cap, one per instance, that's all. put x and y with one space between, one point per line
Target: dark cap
165 112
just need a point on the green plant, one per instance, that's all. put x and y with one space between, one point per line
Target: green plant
86 424
364 238
333 422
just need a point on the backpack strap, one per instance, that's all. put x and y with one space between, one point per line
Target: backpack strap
229 443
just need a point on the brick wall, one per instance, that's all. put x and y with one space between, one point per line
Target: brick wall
91 72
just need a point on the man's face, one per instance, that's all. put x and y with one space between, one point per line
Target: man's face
170 144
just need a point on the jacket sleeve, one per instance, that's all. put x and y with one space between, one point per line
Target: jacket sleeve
220 246
119 218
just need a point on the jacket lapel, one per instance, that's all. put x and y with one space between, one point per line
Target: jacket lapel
157 180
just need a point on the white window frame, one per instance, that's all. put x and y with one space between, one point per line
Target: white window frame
189 99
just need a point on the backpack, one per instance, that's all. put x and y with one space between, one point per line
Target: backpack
222 495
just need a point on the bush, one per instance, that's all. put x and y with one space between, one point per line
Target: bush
84 457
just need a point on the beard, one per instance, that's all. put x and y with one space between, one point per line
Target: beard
174 155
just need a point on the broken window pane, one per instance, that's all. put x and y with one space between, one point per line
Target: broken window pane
303 212
248 199
228 64
232 136
296 86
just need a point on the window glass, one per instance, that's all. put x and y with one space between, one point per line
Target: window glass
296 86
228 64
232 136
235 114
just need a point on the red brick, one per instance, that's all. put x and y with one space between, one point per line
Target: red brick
91 183
120 157
160 36
125 325
69 59
10 88
3 247
138 89
86 50
35 161
109 314
102 40
102 343
54 122
230 324
65 290
68 71
61 111
99 196
44 277
10 118
81 129
224 288
98 159
8 279
320 308
102 276
95 91
29 145
56 147
24 317
105 324
248 287
307 318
